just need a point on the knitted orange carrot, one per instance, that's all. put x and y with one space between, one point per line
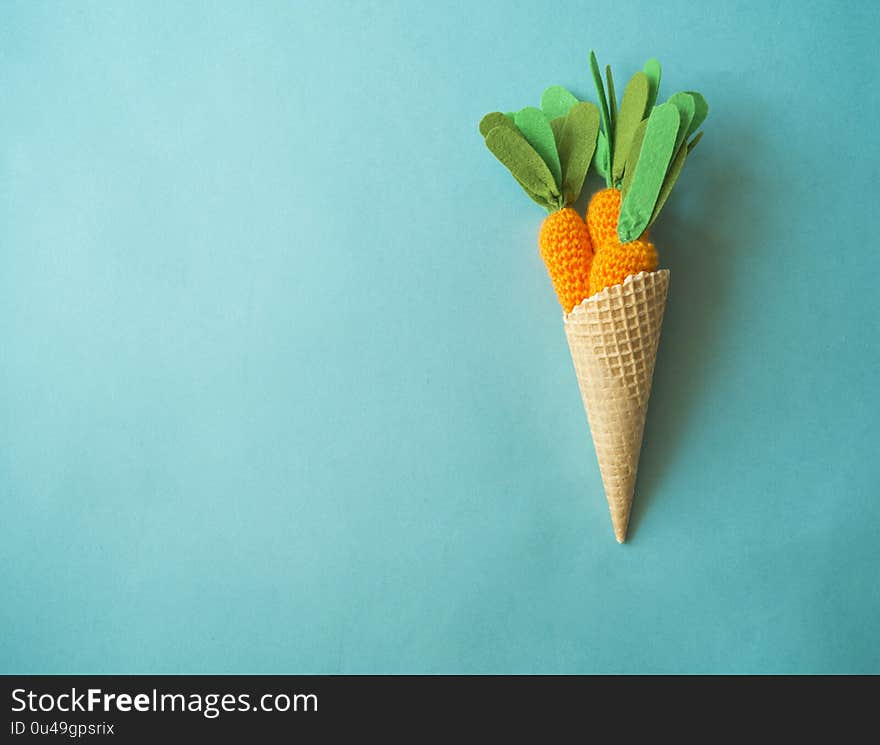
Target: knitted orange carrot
640 153
548 151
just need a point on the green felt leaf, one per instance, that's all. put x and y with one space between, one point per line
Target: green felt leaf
684 102
492 120
602 159
652 70
656 153
527 167
548 203
701 111
537 130
671 177
551 202
612 97
510 115
556 101
600 94
632 110
556 125
693 143
576 148
633 157
497 119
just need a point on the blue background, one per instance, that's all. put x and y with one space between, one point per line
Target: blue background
284 385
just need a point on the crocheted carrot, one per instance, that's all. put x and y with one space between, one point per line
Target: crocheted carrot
548 151
640 152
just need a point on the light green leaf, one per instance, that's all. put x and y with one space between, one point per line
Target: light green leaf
576 148
556 101
701 111
632 110
602 158
492 120
527 167
612 97
536 129
684 102
669 181
600 94
633 157
654 158
652 70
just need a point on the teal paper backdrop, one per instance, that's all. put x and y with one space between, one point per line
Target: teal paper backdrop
283 382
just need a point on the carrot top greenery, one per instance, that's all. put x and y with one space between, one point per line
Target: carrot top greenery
548 150
639 150
642 147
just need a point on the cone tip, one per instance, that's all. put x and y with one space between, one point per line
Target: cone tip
620 524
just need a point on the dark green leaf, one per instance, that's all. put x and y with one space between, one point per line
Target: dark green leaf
520 158
576 148
556 125
612 97
600 94
548 203
632 110
632 157
492 120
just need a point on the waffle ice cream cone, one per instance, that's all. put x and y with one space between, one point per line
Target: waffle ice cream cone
613 339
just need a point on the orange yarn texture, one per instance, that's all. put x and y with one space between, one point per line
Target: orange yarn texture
603 212
568 253
615 261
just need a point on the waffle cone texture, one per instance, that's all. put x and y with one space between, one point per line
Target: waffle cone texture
613 337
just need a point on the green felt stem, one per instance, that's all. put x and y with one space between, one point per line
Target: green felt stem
652 70
632 110
671 177
684 102
557 101
537 130
527 167
602 159
612 97
701 111
576 148
654 157
603 102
